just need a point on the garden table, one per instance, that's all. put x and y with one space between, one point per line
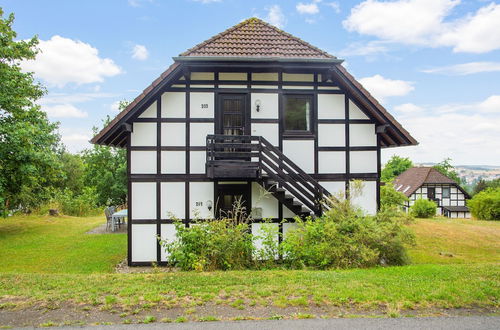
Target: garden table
117 217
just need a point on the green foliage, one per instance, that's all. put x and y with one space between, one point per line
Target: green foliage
83 204
484 184
423 208
390 199
343 238
394 167
73 169
29 165
447 169
486 204
219 244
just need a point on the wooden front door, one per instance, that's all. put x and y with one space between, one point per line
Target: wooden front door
233 115
228 196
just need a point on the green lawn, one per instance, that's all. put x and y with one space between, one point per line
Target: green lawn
46 260
31 244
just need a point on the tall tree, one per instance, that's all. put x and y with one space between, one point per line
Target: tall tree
449 170
28 141
394 167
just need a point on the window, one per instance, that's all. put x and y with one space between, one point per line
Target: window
446 192
297 112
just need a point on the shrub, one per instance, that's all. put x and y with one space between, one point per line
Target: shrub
486 204
390 198
77 205
423 208
343 237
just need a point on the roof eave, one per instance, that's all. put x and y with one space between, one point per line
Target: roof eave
256 59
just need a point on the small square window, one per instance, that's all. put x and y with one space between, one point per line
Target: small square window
446 192
298 113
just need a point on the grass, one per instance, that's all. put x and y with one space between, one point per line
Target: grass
50 260
31 244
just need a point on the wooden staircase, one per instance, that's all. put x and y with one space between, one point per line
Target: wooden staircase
253 157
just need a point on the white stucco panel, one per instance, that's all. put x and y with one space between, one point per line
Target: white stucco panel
336 188
269 131
172 200
143 243
355 112
268 105
368 198
363 161
144 134
173 134
143 162
258 232
331 106
199 132
197 162
143 200
362 135
331 162
201 105
265 201
265 76
301 152
169 234
173 105
150 112
331 135
173 162
232 76
199 194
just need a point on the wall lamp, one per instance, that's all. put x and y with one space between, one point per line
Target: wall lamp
209 205
257 105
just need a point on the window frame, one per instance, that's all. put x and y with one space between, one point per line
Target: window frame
449 192
299 133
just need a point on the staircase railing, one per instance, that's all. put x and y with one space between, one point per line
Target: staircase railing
254 152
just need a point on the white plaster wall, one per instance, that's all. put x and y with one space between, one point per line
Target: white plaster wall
268 105
355 112
143 243
331 162
287 213
287 226
269 131
143 162
199 132
257 231
368 199
265 76
202 76
169 234
197 104
362 135
301 152
201 192
173 162
331 106
143 134
331 135
298 77
172 200
232 86
150 112
197 162
266 202
334 187
173 134
363 161
173 105
143 200
297 87
232 76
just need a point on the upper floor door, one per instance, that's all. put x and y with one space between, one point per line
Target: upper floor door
233 115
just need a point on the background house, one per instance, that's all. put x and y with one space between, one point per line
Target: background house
251 109
429 183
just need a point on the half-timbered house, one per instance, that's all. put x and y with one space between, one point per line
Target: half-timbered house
250 109
429 183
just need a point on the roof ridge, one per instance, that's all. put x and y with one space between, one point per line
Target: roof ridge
259 21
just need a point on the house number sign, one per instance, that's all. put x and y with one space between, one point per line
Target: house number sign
204 105
199 203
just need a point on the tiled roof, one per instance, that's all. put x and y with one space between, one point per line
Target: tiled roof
256 38
413 178
456 208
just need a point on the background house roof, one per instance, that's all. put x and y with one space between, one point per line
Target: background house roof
256 38
412 179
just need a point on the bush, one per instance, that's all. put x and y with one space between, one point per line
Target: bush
423 208
390 199
486 204
343 237
77 205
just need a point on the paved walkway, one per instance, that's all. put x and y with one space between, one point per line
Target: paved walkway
452 323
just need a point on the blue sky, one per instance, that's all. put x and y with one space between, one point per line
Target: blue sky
434 64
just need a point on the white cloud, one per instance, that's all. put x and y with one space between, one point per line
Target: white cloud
335 6
115 106
207 1
60 98
76 142
140 52
468 137
381 87
423 22
408 108
307 8
275 16
364 49
466 68
63 111
63 61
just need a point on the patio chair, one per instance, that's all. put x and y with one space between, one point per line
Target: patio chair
108 212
